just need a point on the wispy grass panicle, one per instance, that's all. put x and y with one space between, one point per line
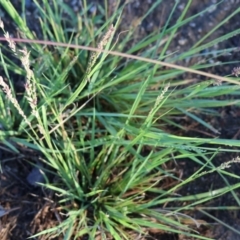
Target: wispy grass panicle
223 166
159 99
94 55
236 71
106 38
11 43
161 96
228 164
12 99
30 87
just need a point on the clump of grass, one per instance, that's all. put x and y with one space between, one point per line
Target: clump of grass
100 123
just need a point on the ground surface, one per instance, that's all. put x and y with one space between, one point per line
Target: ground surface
34 209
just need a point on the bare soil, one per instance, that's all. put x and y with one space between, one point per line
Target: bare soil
32 209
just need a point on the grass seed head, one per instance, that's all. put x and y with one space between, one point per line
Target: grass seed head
236 71
13 100
104 41
30 87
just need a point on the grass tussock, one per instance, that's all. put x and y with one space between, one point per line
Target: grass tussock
101 123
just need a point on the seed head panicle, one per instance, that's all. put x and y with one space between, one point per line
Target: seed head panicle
12 99
104 41
236 71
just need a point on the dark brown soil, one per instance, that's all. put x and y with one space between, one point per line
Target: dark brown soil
32 209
